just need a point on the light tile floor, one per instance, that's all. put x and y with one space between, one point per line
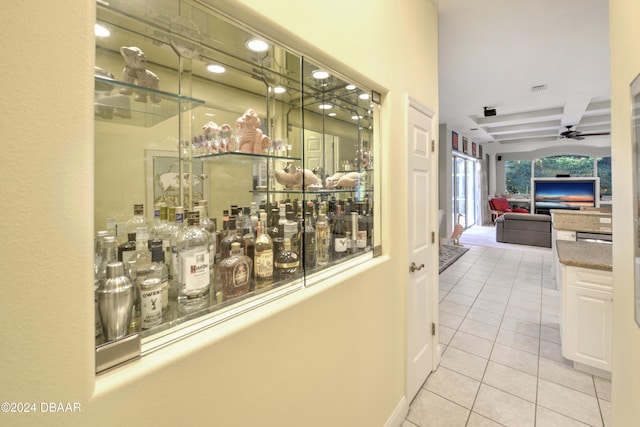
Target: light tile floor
502 363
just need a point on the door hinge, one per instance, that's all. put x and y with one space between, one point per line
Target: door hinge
433 329
433 237
433 145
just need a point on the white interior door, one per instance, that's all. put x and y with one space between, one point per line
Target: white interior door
421 244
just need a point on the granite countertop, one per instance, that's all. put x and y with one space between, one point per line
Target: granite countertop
593 255
587 221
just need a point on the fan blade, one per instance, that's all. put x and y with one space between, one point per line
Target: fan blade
595 133
577 136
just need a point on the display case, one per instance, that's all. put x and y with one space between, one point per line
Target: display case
254 167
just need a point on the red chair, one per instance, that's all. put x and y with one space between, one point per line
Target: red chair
499 206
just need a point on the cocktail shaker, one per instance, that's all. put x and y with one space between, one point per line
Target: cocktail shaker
115 300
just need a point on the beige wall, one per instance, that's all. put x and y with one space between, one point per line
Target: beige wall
332 355
625 65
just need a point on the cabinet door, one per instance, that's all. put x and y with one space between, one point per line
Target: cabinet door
587 326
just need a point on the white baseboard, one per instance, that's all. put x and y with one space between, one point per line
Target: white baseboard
399 414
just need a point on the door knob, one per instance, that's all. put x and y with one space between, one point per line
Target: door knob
413 267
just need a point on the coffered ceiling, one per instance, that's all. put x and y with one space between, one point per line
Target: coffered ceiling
543 65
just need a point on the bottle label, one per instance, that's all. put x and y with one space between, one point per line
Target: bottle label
361 241
195 270
241 275
287 265
264 264
151 307
341 244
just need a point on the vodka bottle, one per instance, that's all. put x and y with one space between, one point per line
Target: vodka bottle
194 278
235 273
161 223
142 255
286 265
323 239
263 258
208 225
172 262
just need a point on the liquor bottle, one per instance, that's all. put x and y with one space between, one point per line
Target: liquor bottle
172 262
127 249
323 239
235 273
339 235
142 255
194 279
362 240
309 250
235 235
254 215
248 234
290 225
274 221
132 273
161 226
263 258
354 233
207 223
156 217
278 242
150 303
286 265
158 270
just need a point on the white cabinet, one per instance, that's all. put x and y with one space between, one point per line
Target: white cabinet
587 317
555 266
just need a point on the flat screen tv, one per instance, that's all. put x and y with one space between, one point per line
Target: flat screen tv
564 193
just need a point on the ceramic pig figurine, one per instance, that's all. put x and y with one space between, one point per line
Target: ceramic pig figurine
251 138
349 180
294 178
333 179
135 72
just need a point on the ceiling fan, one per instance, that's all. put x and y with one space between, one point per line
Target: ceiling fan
574 134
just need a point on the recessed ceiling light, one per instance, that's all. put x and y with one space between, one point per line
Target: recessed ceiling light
331 114
279 90
320 74
216 68
257 45
350 87
325 106
356 117
363 96
101 31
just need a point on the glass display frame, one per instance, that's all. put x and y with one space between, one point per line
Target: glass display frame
302 138
635 140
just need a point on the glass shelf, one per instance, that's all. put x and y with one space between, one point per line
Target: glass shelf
129 104
308 192
247 155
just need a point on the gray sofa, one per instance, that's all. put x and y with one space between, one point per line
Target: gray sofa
524 229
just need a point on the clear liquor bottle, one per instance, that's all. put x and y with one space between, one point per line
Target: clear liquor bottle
127 249
172 262
235 273
323 239
263 258
161 224
194 277
286 265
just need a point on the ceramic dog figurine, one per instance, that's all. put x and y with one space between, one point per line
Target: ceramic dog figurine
135 72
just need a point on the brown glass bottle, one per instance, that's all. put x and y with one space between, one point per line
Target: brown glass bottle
263 258
235 273
286 266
